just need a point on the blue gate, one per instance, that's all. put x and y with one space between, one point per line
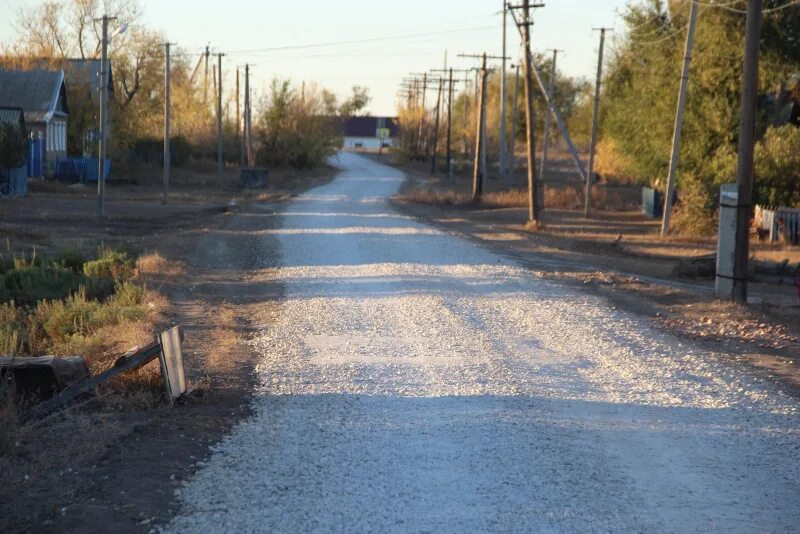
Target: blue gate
36 152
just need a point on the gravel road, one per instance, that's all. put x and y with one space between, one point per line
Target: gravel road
415 382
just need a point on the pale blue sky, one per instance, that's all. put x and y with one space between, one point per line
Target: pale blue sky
244 25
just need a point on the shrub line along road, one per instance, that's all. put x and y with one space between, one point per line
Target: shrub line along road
413 381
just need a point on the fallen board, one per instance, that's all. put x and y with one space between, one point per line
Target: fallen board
131 360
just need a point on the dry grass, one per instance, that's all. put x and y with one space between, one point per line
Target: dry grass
225 337
154 264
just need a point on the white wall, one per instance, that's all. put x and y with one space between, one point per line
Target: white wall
372 143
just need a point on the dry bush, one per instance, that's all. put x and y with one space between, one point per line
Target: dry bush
609 162
563 197
439 197
511 198
154 263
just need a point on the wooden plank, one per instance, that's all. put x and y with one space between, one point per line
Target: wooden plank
171 358
128 362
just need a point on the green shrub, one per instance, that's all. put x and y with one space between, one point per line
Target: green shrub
111 264
30 284
72 260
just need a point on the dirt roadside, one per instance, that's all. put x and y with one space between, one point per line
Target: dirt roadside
765 334
131 479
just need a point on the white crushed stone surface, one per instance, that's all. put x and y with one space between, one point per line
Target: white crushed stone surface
414 382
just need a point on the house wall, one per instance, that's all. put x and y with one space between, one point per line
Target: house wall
369 143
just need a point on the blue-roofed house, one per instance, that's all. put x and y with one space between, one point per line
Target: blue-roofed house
42 96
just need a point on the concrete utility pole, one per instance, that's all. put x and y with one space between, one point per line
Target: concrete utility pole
466 110
595 119
512 155
546 134
744 168
101 148
219 115
676 135
167 109
503 98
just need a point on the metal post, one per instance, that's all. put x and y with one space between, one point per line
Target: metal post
744 168
546 135
101 148
595 119
503 98
167 100
676 135
219 115
514 112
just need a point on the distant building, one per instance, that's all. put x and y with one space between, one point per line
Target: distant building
42 96
364 132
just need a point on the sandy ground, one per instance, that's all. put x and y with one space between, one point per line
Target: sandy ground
412 380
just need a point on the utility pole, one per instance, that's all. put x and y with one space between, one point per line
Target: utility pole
219 115
676 135
533 204
479 169
466 110
546 135
239 136
167 109
512 155
247 117
502 162
436 125
744 168
450 127
421 137
101 148
595 119
205 78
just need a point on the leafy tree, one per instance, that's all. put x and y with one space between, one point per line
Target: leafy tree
641 82
12 147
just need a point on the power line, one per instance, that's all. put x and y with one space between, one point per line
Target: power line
359 41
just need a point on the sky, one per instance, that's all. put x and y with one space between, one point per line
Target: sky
244 30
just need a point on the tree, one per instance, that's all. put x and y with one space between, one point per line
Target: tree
12 147
640 88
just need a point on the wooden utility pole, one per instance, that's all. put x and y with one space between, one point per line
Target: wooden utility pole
478 170
450 127
533 204
676 134
595 119
744 168
239 137
247 117
502 162
167 106
436 125
514 111
546 134
205 78
219 115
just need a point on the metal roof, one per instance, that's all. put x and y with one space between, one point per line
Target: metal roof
36 92
368 126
